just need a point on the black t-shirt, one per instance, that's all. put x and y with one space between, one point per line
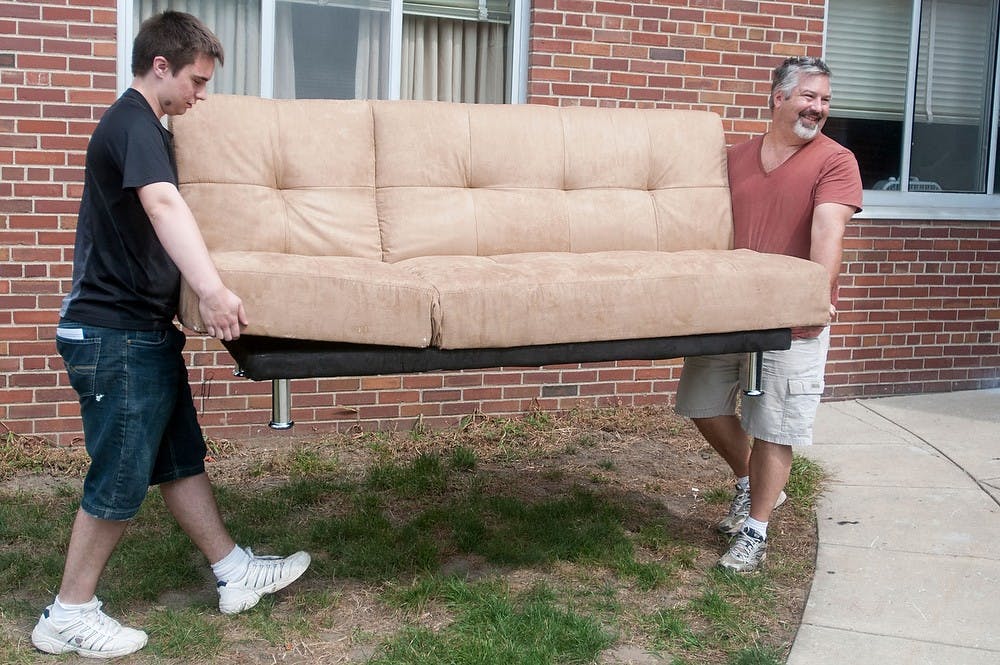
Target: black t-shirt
122 276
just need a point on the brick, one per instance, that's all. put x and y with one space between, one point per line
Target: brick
611 64
94 97
441 395
370 412
475 394
498 407
37 61
521 392
613 92
398 396
65 14
35 28
93 32
381 383
628 51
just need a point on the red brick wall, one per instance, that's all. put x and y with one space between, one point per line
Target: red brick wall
713 55
57 74
919 310
921 302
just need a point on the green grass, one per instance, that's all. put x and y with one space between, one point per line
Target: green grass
585 580
671 629
493 626
187 634
804 483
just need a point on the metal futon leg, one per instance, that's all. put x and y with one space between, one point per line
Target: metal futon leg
281 404
751 382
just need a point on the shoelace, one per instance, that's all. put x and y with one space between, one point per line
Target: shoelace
263 570
744 546
93 629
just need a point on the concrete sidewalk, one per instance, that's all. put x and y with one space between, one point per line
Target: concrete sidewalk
908 565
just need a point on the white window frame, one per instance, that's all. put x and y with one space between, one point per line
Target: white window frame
517 64
930 205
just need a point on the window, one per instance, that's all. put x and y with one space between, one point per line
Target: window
914 96
446 50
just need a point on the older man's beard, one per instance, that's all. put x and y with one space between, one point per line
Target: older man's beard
806 133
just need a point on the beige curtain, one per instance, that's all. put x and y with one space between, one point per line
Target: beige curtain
453 60
237 25
372 66
443 59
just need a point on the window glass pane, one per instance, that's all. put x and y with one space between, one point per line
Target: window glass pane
454 60
237 25
331 51
867 48
497 11
953 96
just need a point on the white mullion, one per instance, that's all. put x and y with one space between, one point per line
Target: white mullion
911 100
395 48
126 19
991 138
267 40
519 27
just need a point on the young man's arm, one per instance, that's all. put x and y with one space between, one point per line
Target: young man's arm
175 226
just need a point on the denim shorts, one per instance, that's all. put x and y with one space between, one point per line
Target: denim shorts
139 422
792 384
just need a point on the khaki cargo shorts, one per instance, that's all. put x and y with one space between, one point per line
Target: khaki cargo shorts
792 381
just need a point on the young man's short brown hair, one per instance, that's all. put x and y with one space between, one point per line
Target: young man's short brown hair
178 37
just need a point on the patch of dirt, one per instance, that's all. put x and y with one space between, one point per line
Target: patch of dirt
647 460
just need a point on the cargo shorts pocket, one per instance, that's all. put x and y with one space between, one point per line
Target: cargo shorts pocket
800 408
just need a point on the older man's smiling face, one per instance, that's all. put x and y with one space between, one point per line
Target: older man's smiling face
806 108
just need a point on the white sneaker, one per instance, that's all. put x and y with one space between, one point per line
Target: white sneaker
92 634
264 575
747 552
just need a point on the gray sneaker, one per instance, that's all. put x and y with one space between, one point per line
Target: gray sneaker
264 575
739 510
746 553
92 634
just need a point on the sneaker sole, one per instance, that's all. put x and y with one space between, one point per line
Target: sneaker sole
55 646
253 597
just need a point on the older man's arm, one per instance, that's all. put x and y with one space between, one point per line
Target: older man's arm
827 249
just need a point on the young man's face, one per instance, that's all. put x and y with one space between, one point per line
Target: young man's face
806 109
184 88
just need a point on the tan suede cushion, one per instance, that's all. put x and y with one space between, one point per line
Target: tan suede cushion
541 298
496 179
345 299
302 170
